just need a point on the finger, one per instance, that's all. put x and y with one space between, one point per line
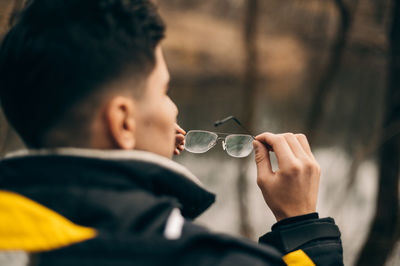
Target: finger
280 146
264 167
304 143
295 145
176 152
181 147
179 139
179 130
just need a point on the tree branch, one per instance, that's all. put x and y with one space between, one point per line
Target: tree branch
386 223
324 84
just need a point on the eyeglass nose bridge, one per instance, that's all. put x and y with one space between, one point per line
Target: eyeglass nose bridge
223 142
213 143
224 145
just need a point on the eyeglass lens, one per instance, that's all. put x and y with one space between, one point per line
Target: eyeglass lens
239 145
198 141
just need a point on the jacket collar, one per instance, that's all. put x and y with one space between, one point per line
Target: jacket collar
110 168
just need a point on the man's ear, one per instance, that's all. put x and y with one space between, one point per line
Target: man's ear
120 120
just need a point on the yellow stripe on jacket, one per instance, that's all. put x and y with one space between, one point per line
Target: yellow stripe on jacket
298 258
29 226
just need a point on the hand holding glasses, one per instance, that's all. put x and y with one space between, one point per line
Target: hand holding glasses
292 189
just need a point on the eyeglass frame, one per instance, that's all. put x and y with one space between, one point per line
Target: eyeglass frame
217 134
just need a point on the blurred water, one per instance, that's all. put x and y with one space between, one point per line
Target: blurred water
351 209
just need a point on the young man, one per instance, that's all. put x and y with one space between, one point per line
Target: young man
85 85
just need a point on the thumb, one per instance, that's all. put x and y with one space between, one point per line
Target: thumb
262 159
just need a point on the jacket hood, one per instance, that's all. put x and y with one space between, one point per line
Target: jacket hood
106 169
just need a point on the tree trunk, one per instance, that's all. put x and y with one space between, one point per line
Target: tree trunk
249 100
383 232
324 84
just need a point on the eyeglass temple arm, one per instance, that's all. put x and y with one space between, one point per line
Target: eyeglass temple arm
222 121
226 119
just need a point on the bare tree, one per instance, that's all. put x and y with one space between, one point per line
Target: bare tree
385 226
324 83
249 100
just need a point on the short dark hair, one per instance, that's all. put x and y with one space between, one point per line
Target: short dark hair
60 52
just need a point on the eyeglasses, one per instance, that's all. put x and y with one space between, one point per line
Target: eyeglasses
236 145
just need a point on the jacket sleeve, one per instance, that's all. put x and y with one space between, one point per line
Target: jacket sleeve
306 240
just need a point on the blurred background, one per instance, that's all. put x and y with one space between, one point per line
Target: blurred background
326 68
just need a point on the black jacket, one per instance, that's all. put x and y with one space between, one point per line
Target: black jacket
81 207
